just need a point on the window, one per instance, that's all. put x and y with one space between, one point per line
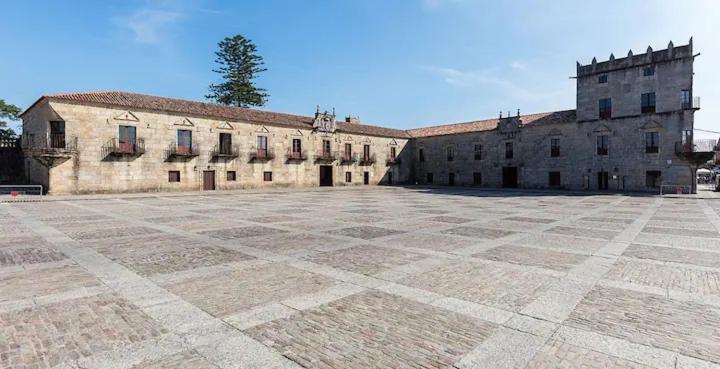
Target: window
478 152
450 153
602 78
653 178
429 178
605 108
366 152
652 141
348 177
477 178
648 71
348 151
554 178
226 143
685 97
508 150
602 145
296 148
393 153
554 147
184 141
126 138
326 147
267 176
421 155
451 179
231 176
174 176
57 134
262 146
647 103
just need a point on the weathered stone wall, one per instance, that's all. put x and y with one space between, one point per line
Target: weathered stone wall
626 162
92 171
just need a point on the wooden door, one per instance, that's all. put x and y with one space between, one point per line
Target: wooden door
208 180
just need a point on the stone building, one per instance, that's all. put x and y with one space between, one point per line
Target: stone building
631 130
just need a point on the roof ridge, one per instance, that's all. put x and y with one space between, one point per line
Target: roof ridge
490 119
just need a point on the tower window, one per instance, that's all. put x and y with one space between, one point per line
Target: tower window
605 108
602 78
649 71
647 103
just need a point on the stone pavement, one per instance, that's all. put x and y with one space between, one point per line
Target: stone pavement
360 278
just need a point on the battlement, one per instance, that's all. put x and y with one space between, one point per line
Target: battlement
649 57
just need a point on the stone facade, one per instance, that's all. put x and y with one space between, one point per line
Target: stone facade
632 115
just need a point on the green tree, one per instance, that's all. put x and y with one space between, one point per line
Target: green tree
238 65
11 112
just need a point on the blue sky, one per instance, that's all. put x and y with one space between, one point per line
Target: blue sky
399 63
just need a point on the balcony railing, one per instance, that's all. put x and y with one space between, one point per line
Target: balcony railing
181 151
392 160
694 153
602 151
222 151
367 159
261 154
325 156
296 155
117 148
54 143
694 103
348 159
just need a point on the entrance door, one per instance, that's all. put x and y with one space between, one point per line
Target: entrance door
510 177
208 180
366 178
57 135
390 178
602 180
326 175
451 179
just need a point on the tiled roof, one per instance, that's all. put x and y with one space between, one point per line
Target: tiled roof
564 116
202 109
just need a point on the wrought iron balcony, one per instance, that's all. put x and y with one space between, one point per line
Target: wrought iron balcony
392 160
296 155
325 156
261 154
181 151
116 148
222 151
694 153
348 159
51 150
367 159
693 104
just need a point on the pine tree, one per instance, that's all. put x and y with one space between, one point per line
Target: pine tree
238 65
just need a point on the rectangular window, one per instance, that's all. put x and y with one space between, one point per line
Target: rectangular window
366 152
554 178
477 178
647 103
348 177
267 176
174 176
554 147
509 150
602 145
421 155
226 143
57 134
326 147
450 153
685 98
648 71
429 178
653 178
605 108
262 146
478 152
348 152
296 148
126 138
652 142
602 78
231 175
393 152
184 141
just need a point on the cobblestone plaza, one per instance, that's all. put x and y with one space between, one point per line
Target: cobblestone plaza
360 278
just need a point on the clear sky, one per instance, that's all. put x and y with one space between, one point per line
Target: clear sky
398 63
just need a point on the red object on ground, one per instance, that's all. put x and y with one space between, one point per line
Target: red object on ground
13 193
